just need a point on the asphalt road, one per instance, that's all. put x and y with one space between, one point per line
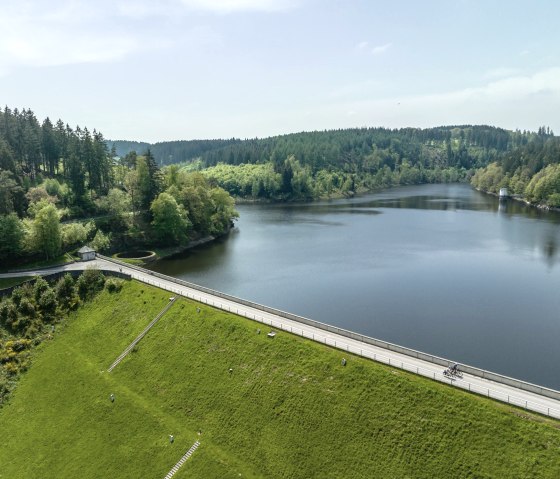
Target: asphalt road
505 393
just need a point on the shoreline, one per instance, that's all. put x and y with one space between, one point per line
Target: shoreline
165 253
520 199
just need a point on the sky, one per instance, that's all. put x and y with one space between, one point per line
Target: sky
157 70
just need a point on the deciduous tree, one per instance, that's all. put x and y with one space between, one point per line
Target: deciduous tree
170 221
11 236
46 232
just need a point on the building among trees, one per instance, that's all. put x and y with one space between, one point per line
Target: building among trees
86 253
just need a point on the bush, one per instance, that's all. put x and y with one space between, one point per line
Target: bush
65 287
8 313
90 283
14 355
113 285
101 241
26 307
48 304
74 233
554 200
23 291
40 287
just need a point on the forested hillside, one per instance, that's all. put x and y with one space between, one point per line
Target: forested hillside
54 177
61 187
341 162
123 147
170 152
531 171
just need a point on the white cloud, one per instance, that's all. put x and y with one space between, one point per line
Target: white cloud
148 8
514 102
511 91
69 32
362 45
52 48
501 72
178 8
522 101
230 6
380 49
513 88
38 33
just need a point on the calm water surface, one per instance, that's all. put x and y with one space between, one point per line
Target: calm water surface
439 268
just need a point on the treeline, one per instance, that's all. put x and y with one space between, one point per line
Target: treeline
53 177
457 146
297 182
531 171
30 151
342 162
31 313
172 152
367 149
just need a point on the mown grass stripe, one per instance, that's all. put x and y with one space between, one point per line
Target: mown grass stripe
141 335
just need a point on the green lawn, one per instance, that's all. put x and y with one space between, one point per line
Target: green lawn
287 410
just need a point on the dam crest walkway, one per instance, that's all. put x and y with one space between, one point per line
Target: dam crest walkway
486 383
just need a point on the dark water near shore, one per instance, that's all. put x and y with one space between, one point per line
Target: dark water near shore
439 268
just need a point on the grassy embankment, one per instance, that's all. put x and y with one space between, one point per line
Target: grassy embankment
288 408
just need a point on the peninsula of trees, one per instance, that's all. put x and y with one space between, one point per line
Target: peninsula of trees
62 187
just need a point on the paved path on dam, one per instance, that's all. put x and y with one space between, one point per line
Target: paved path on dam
479 385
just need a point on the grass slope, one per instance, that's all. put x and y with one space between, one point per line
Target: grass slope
288 409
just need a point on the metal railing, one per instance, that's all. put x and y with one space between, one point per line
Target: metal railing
355 348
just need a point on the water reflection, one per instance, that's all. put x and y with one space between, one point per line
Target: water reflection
531 229
439 268
550 250
436 198
518 236
511 207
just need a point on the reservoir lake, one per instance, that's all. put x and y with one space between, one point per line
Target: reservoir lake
442 269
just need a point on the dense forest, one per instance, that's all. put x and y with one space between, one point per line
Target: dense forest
171 152
62 187
531 171
342 162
